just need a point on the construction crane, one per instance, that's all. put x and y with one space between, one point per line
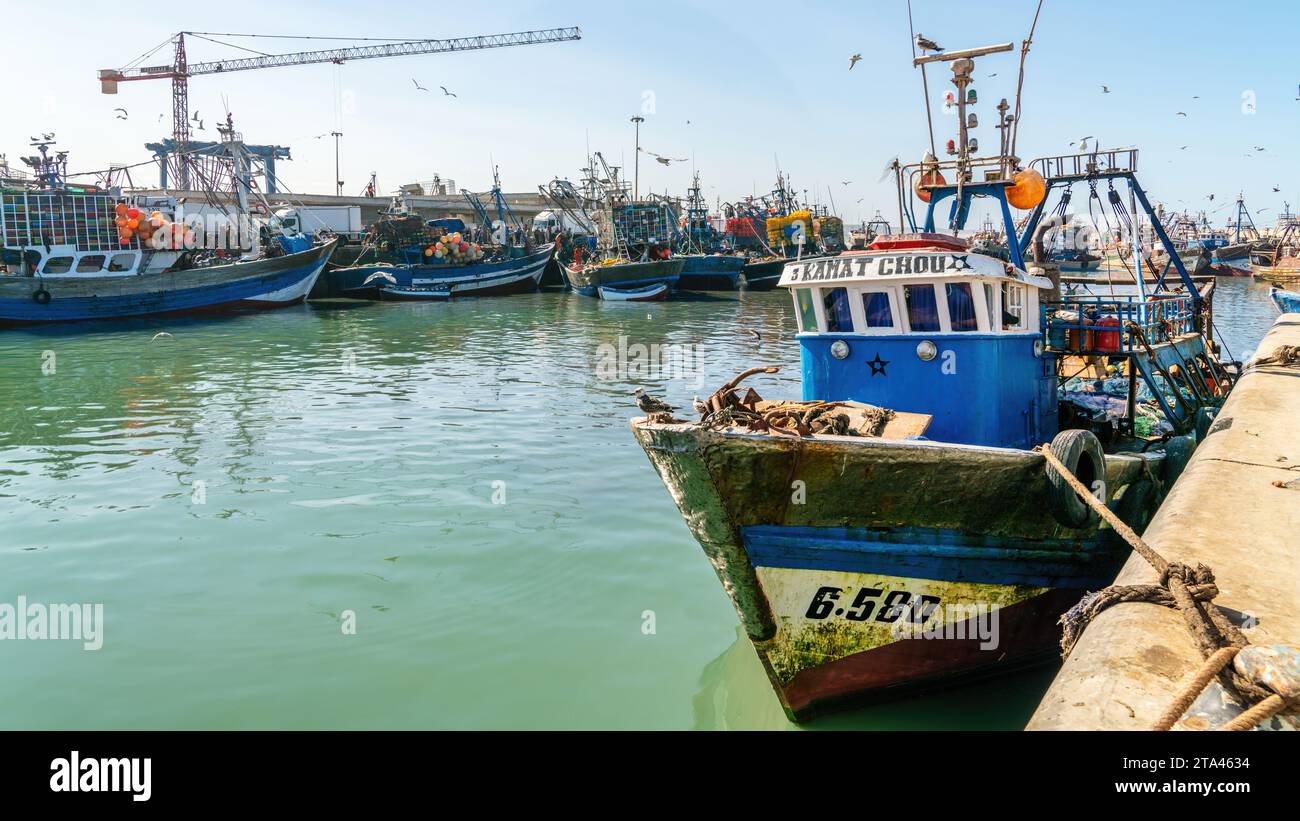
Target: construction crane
180 71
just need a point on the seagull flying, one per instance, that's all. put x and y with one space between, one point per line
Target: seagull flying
447 93
1181 114
659 158
854 60
1276 189
160 334
846 182
384 275
195 116
1184 148
417 85
650 404
1105 89
1211 198
927 45
122 113
1260 148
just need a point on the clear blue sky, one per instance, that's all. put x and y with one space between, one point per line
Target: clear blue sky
757 81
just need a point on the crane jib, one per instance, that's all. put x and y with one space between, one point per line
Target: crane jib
522 38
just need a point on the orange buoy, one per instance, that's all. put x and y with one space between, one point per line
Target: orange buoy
931 178
1026 190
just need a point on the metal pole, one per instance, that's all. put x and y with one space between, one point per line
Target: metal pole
636 162
338 183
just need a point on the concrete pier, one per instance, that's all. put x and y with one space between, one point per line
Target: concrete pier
1227 512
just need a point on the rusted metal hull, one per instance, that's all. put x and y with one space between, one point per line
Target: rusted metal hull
863 567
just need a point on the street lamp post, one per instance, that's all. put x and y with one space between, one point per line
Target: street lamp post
636 173
338 183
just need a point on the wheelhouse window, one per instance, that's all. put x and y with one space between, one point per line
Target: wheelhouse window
1013 307
922 308
876 310
90 263
839 316
807 313
57 265
122 262
961 306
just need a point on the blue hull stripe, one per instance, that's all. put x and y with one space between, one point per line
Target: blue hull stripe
927 554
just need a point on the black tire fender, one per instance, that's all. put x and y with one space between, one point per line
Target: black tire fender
41 296
1080 451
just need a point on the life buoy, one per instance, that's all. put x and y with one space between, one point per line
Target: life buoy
261 210
41 296
1081 453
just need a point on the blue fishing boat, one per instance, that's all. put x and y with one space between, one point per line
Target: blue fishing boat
405 256
77 252
895 528
1287 302
490 276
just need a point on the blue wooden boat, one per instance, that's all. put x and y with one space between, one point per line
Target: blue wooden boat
895 529
1287 302
492 277
66 255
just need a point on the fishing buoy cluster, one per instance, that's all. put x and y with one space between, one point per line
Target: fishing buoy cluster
777 233
132 222
454 249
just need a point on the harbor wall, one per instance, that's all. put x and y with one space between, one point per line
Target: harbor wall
1225 512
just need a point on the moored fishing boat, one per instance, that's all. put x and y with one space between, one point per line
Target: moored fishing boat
612 274
75 253
404 256
895 528
1279 262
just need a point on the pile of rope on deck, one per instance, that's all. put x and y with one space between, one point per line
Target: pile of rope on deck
727 407
1254 677
1284 356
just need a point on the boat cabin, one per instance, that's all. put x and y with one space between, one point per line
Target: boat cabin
928 327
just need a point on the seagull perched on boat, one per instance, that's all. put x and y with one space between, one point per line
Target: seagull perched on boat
926 44
417 85
447 93
650 404
854 60
700 408
122 113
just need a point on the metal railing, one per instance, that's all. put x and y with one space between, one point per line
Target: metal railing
1121 324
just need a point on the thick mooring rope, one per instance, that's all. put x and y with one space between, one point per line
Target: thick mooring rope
1188 589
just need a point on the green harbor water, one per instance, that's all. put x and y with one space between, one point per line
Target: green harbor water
459 476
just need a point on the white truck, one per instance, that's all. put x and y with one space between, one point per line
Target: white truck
343 221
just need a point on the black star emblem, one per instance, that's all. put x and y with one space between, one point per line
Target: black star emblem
878 365
959 260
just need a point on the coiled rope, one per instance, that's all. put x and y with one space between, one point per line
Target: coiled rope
1192 591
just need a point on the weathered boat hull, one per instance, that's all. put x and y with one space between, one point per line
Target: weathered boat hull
517 275
839 553
715 272
264 283
588 279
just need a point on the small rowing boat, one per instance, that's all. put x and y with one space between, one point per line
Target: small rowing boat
650 293
1288 302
